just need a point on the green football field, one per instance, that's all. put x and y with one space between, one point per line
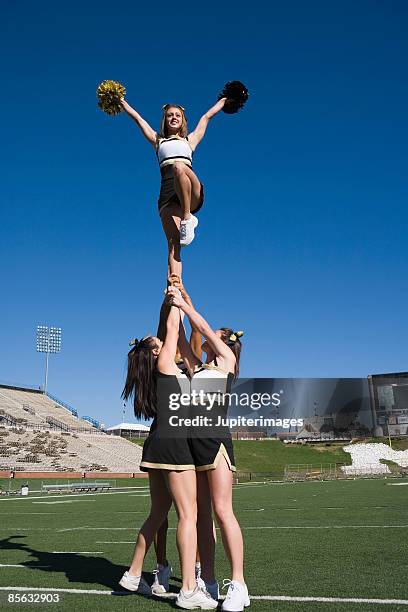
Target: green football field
329 542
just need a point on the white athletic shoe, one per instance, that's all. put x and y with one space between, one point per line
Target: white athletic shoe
212 589
135 583
187 228
199 599
237 597
162 575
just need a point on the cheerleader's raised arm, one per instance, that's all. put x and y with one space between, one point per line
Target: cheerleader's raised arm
197 134
148 132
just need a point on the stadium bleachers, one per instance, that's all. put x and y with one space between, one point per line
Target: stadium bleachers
14 410
38 434
40 407
27 450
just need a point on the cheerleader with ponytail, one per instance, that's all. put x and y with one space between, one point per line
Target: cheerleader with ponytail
213 455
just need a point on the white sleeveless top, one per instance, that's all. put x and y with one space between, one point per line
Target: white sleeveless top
211 378
174 149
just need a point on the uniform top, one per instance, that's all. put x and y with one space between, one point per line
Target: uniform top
210 378
168 385
174 149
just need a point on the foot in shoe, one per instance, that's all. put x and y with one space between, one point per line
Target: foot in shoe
187 227
136 584
162 575
197 599
211 588
237 597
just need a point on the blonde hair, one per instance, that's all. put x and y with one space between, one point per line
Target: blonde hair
163 127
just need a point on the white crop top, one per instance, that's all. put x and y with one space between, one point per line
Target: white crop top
211 379
173 149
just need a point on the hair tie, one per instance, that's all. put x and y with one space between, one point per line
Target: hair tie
176 105
235 335
135 342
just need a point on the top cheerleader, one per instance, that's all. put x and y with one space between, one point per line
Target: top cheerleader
181 192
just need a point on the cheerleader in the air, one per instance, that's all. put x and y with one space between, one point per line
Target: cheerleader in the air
181 192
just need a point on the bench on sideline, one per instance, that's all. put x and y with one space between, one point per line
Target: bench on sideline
76 486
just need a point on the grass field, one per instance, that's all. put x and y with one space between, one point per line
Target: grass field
271 456
337 539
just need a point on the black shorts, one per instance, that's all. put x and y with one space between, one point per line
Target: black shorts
165 453
179 454
167 192
208 452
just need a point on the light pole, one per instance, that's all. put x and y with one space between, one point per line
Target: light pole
48 341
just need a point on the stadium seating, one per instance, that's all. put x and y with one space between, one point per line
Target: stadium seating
27 450
38 434
35 408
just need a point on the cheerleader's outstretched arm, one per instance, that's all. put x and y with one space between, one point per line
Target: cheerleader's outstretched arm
165 360
196 339
148 132
186 352
164 313
198 133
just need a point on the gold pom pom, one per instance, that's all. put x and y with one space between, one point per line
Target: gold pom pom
109 93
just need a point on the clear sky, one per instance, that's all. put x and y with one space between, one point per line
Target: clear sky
302 238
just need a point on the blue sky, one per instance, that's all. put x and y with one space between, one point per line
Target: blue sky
302 238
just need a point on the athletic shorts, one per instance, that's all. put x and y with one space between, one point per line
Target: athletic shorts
167 191
181 454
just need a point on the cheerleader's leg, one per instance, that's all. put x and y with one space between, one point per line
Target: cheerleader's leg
188 188
160 505
170 218
220 481
205 529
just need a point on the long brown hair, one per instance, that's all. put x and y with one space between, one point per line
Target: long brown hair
163 127
232 340
141 378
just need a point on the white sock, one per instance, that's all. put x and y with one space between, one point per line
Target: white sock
188 593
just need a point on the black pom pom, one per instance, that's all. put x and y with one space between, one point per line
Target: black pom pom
236 94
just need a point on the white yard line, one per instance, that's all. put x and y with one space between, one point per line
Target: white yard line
253 510
60 495
24 566
140 495
77 552
65 501
362 600
260 527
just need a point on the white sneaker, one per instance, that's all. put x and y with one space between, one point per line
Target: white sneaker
135 583
162 575
211 588
237 597
187 228
197 599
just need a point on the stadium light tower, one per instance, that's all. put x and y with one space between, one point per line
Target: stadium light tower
48 341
